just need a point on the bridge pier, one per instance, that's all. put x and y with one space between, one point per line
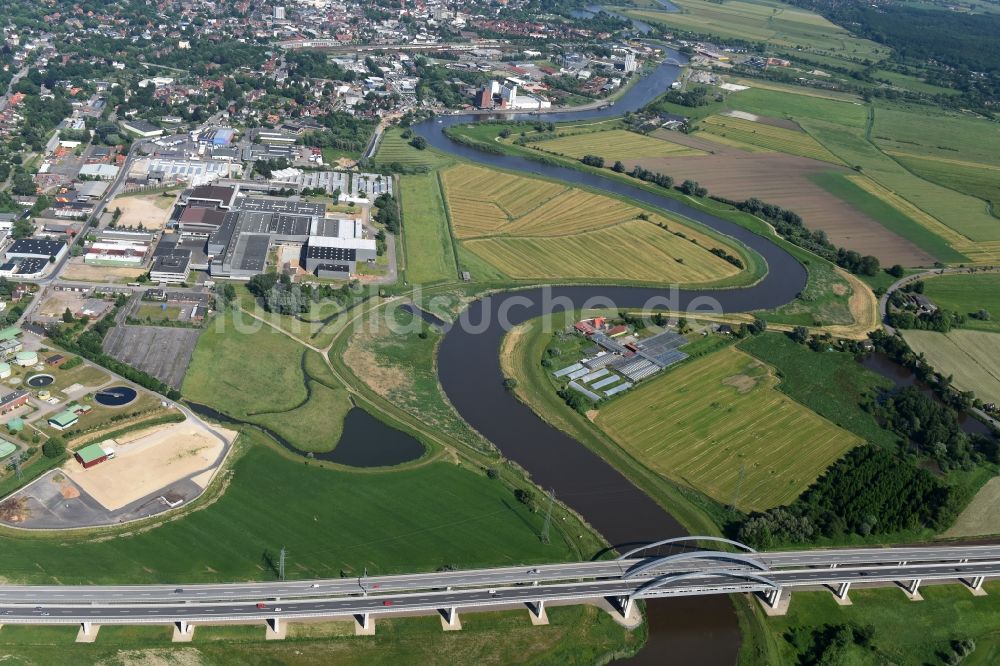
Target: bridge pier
364 625
183 632
774 601
536 611
276 630
911 590
840 593
449 619
623 610
975 585
88 632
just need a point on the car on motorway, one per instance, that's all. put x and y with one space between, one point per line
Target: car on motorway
387 602
179 590
533 572
261 604
45 613
277 609
314 585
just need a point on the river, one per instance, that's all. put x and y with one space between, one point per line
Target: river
692 629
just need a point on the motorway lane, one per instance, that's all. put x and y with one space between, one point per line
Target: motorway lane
485 577
429 601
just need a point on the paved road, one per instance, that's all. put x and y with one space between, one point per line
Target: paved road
794 568
708 582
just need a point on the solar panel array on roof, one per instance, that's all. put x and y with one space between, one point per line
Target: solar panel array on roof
263 205
331 253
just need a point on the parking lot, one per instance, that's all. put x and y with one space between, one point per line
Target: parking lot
160 351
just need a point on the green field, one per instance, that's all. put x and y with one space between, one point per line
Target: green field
242 366
967 293
330 521
937 133
845 187
765 21
975 179
394 149
798 105
614 145
905 632
719 425
530 228
429 254
972 358
574 635
781 139
825 301
156 312
831 384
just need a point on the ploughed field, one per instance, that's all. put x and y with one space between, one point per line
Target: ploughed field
719 425
536 229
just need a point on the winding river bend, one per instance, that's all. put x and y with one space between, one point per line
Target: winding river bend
689 629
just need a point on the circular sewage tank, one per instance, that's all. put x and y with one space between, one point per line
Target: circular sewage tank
116 396
38 381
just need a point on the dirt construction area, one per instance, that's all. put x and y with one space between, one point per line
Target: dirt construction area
149 461
152 211
784 180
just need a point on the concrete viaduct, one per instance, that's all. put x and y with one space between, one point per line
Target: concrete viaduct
615 585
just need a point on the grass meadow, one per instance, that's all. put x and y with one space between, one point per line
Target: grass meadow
719 425
967 293
781 139
614 145
429 254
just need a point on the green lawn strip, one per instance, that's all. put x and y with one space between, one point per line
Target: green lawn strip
892 219
394 149
316 425
905 632
575 635
429 256
436 514
832 384
967 179
968 293
242 366
698 513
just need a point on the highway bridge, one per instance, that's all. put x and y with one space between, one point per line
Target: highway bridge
639 574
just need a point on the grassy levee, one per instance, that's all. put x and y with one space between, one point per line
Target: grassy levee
429 255
521 351
575 635
905 632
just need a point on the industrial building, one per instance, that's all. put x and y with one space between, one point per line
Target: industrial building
123 253
90 455
12 401
64 419
497 95
141 128
34 248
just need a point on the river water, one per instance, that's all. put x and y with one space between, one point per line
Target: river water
690 630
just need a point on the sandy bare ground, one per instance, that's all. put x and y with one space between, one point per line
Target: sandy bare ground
143 210
784 180
77 270
149 461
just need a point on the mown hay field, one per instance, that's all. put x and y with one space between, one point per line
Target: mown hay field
528 228
614 145
781 139
967 293
719 425
971 357
395 149
638 250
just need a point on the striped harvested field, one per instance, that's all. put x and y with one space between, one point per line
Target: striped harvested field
971 357
535 229
719 425
614 145
767 136
395 149
604 254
